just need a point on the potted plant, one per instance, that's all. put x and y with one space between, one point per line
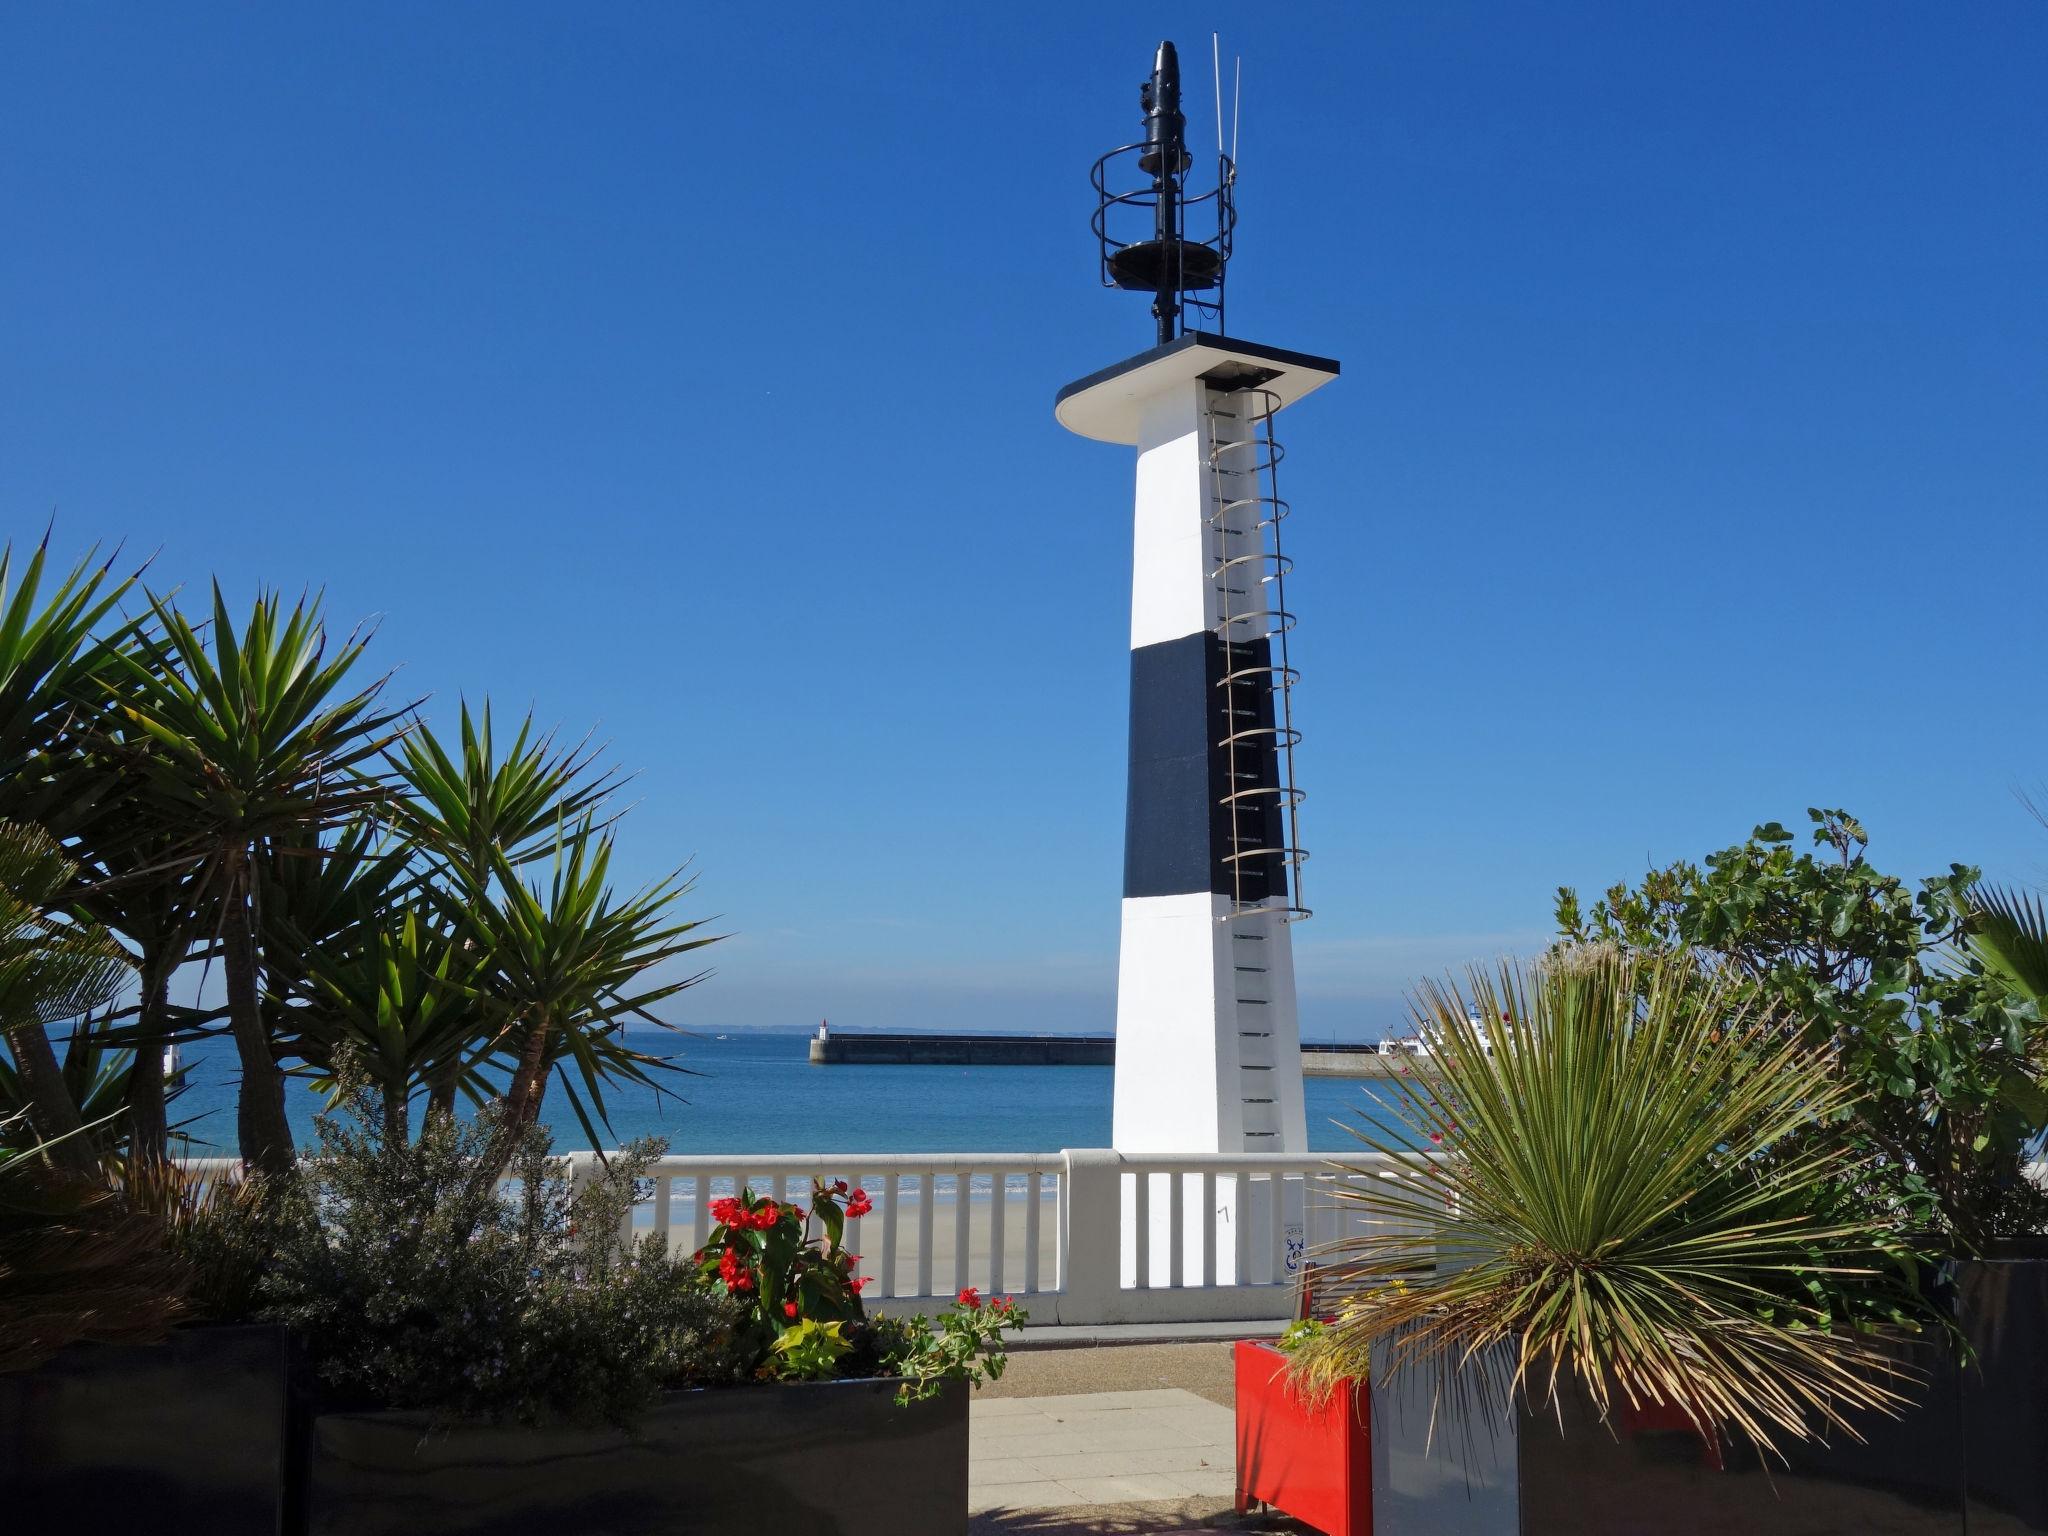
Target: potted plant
1620 1198
1931 1004
105 1407
1304 1451
487 1360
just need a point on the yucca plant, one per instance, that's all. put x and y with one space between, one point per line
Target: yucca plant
98 1075
569 965
256 738
51 970
1622 1178
54 653
470 807
399 1000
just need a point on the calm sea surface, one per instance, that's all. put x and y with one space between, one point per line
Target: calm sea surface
758 1092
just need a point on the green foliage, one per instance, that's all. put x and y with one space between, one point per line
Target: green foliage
965 1344
417 1284
251 738
2009 939
473 807
808 1350
1628 1176
52 662
98 1077
1853 963
51 970
1299 1333
240 793
786 1265
568 967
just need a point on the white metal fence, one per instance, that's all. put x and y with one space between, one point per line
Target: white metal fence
1079 1237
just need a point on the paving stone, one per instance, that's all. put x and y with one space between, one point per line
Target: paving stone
1132 1488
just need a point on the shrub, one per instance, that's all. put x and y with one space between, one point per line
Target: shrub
417 1283
1622 1176
1864 971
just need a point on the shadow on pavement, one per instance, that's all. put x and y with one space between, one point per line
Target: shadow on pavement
1126 1520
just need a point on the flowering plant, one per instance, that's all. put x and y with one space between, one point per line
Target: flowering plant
965 1344
789 1268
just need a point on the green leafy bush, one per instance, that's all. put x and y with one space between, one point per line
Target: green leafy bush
964 1344
417 1283
1618 1174
1941 1052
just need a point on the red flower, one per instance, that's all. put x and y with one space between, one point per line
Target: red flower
862 1283
969 1297
789 1309
839 1186
859 1204
737 1277
1007 1304
1437 1137
765 1215
729 1212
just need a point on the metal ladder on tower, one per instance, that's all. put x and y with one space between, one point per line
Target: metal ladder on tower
1248 571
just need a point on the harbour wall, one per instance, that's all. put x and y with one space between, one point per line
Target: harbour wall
920 1050
1356 1059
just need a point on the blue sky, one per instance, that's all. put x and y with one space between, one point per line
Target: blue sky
689 375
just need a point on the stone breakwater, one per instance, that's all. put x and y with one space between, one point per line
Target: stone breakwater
1358 1059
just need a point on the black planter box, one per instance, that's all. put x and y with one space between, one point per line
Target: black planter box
191 1437
1967 1457
2003 1305
829 1458
1652 1473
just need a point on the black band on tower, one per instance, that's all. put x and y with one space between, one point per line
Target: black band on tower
1180 830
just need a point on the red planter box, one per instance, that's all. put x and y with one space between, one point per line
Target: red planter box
1312 1463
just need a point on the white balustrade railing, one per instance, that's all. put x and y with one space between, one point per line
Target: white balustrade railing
1079 1237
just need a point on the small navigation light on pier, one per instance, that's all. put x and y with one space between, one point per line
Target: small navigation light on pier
1208 1048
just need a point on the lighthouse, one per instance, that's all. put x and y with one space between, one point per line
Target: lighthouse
1208 1048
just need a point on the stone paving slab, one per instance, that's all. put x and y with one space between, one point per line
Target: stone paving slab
1098 1448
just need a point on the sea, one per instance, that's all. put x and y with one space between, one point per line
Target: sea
755 1091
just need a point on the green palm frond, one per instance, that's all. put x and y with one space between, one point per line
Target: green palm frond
2009 935
1615 1173
571 964
51 658
51 970
254 733
473 810
398 1000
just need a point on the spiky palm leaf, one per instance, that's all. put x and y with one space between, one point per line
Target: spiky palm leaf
256 737
98 1074
50 971
2009 934
52 659
472 811
569 966
399 1000
1622 1178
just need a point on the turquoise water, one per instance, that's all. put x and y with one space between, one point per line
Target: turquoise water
758 1092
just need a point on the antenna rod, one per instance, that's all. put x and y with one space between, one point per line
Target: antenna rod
1166 157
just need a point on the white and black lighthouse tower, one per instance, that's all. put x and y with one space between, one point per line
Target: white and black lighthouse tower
1208 1042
